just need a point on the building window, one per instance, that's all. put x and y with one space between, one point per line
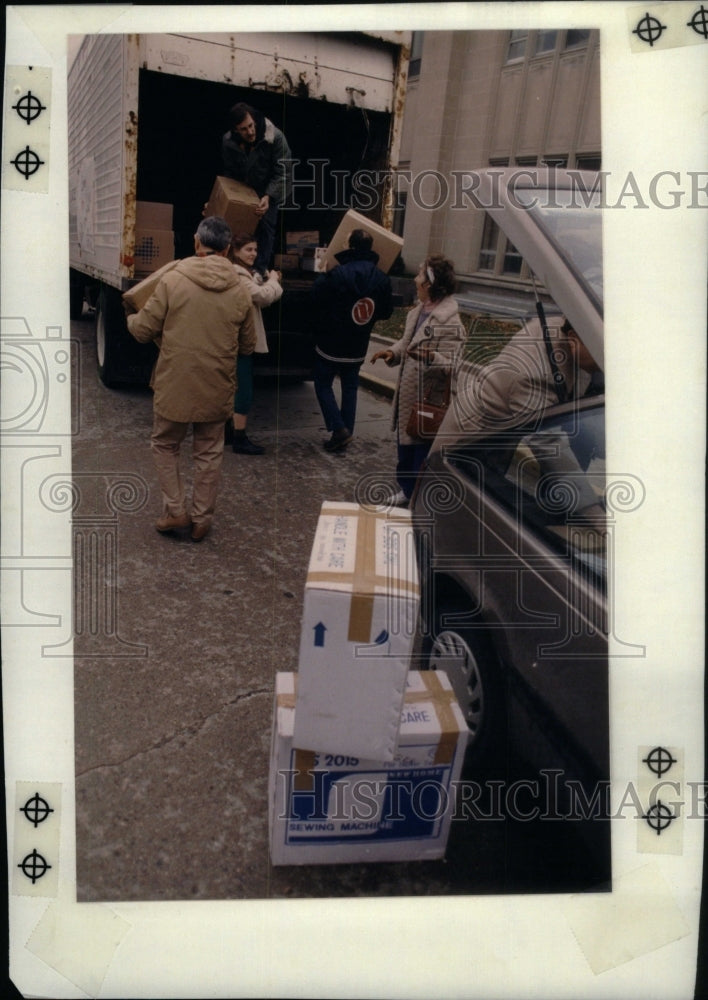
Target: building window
512 259
416 54
545 41
517 45
555 160
526 161
399 212
490 239
576 37
588 161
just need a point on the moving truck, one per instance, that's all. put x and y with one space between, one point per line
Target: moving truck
146 115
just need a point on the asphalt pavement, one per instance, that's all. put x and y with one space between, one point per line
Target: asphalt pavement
174 687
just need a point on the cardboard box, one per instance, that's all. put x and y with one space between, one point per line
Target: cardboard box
313 259
234 202
386 244
359 620
296 242
138 295
286 262
326 808
153 215
153 249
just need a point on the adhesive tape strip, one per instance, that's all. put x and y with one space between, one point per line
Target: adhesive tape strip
667 26
25 161
619 926
37 840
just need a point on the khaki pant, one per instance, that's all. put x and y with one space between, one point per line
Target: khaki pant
207 455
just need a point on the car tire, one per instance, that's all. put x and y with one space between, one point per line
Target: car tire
473 669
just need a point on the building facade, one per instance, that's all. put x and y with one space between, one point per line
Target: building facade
489 98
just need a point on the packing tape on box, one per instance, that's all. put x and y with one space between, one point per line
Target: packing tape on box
364 578
442 700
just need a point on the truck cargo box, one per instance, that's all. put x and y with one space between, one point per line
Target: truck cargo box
146 115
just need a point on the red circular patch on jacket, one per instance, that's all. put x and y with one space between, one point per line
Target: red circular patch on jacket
363 311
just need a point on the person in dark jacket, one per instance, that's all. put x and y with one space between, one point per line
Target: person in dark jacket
348 300
255 152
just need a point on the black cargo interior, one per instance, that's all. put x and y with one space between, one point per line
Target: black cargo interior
180 125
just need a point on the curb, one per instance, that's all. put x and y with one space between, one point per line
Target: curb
377 385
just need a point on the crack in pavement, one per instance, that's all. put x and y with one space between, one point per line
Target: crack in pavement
191 730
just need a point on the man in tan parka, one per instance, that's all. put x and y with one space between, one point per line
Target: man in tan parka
200 315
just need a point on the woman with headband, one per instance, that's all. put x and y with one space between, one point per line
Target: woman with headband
425 354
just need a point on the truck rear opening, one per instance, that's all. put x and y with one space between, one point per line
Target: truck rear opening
181 122
337 101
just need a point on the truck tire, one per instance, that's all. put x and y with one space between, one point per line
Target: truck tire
76 294
110 328
120 358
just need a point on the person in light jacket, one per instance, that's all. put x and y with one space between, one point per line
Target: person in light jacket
426 353
520 383
201 316
264 291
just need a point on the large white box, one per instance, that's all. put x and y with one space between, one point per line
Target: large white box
327 808
359 620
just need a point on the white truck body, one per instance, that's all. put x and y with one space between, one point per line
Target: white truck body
104 83
147 112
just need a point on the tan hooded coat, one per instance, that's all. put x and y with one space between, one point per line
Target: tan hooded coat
200 315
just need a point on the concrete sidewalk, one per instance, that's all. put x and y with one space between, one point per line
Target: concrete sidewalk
378 377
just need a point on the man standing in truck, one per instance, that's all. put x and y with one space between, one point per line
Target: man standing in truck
347 301
201 316
255 152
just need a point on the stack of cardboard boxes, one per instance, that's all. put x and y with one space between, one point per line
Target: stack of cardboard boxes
365 752
154 236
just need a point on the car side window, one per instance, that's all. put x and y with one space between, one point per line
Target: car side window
552 477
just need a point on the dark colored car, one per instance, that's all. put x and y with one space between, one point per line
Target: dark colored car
513 530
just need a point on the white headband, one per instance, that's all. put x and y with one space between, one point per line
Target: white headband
431 276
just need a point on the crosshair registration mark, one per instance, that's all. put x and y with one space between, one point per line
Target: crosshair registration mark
34 866
649 29
699 22
27 162
659 817
36 809
659 761
29 107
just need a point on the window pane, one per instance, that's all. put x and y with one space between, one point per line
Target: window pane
576 37
552 478
517 45
490 238
416 54
512 259
546 41
572 221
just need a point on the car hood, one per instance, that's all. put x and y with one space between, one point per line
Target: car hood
553 218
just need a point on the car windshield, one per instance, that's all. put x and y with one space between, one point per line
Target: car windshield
552 478
572 220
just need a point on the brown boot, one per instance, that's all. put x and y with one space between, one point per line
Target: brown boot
168 522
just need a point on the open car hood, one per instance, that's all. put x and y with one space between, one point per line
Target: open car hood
553 218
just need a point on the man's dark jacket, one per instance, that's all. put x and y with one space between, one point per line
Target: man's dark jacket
259 166
348 300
